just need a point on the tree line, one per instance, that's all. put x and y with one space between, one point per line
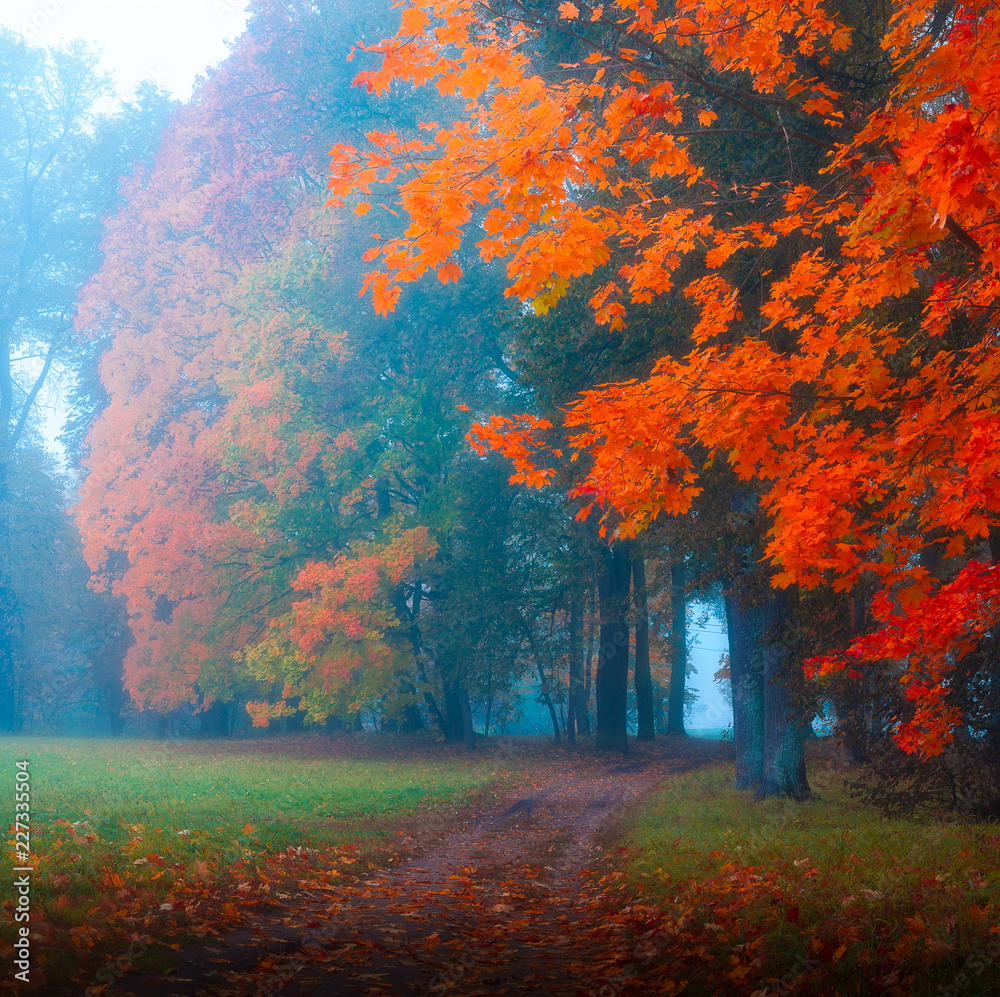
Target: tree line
700 315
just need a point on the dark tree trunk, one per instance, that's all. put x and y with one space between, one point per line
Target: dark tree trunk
993 685
995 543
431 702
547 699
10 610
412 720
659 717
576 701
850 703
583 712
678 651
784 759
611 682
468 733
215 720
108 663
453 717
10 617
747 677
383 501
643 677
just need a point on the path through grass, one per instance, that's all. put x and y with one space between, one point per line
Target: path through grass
158 840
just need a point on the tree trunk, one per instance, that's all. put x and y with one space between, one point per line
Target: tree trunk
612 657
9 620
747 677
784 759
659 718
431 702
215 720
576 702
583 713
678 651
643 677
412 720
453 716
547 699
852 721
468 732
10 611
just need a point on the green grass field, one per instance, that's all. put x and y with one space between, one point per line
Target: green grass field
141 845
198 832
826 897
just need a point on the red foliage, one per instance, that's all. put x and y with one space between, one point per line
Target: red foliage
865 436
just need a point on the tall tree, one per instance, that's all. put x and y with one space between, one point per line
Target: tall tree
678 648
56 181
611 679
643 677
844 356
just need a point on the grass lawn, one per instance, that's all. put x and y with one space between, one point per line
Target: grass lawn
162 840
827 897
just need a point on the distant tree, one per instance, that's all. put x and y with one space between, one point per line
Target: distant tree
55 183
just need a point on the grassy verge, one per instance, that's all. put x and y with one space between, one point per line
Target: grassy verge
826 897
137 844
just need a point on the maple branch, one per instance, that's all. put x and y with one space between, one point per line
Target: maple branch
812 396
950 224
963 237
497 358
726 131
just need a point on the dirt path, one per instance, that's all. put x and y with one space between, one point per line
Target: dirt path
504 903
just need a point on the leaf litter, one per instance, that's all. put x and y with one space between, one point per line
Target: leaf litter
521 897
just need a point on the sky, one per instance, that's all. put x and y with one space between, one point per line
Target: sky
168 42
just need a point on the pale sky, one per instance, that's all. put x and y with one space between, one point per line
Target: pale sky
169 42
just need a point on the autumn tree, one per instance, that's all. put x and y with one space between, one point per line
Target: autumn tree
278 483
842 359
